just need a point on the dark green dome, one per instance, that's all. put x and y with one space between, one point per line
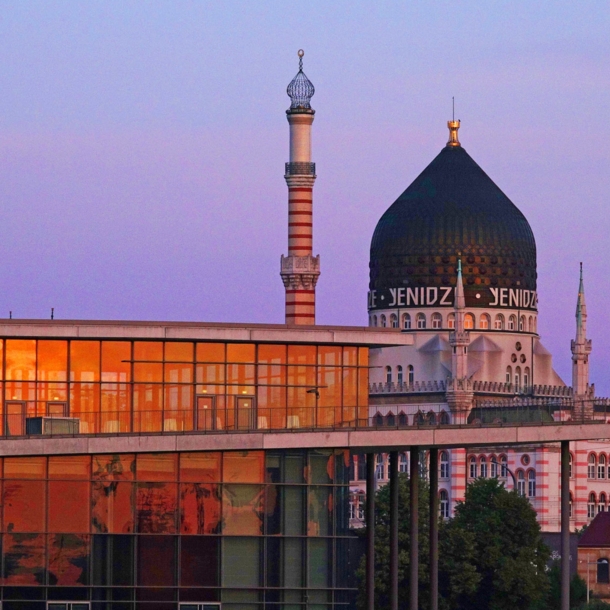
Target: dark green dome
453 209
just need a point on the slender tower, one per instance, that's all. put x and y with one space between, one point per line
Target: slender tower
300 269
581 346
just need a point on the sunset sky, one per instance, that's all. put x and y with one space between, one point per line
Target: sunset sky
142 149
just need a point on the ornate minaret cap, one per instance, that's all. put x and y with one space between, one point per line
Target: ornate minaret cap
453 133
300 90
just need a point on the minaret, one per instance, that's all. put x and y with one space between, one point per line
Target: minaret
459 338
300 269
581 346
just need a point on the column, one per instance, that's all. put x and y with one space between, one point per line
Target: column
370 531
433 528
394 530
414 514
565 525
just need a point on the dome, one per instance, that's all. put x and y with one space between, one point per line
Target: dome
453 210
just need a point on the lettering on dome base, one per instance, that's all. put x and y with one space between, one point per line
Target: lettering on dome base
444 296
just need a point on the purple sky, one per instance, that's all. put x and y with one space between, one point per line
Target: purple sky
142 148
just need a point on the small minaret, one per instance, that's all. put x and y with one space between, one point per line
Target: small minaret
459 338
581 346
300 269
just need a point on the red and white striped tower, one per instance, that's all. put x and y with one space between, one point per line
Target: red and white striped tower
300 269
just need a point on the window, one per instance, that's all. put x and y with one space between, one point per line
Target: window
361 467
443 503
522 323
483 467
484 322
378 419
432 418
451 320
509 374
411 374
403 465
493 467
570 466
193 606
503 467
531 324
406 321
374 320
512 323
499 322
518 377
380 468
531 483
601 467
390 420
591 506
468 321
383 321
402 419
399 377
444 461
388 374
69 605
591 466
352 507
526 377
421 320
361 506
521 482
437 320
473 467
570 505
601 506
394 321
603 573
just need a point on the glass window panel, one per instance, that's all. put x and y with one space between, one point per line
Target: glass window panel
116 413
241 562
156 508
157 561
284 510
200 467
319 509
293 562
178 351
302 387
52 360
112 507
319 564
21 359
350 396
84 361
200 561
69 467
321 466
157 466
272 356
242 509
178 408
199 508
148 407
24 506
115 361
114 467
210 352
329 383
113 559
148 350
243 467
24 559
179 373
148 371
68 560
85 404
69 503
342 466
350 356
25 467
363 356
329 355
240 379
240 352
52 392
19 390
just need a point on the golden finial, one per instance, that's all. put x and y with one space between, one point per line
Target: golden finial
453 133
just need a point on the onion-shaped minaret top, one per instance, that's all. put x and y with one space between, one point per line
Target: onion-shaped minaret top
300 90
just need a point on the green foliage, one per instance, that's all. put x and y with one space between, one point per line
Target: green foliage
578 590
491 555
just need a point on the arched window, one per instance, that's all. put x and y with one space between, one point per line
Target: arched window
411 374
394 321
601 506
437 320
570 505
591 506
380 468
522 323
399 377
444 462
503 467
483 467
570 468
484 322
499 322
402 419
361 506
378 419
531 483
535 324
521 482
518 377
601 467
421 320
468 321
390 420
451 320
591 466
603 573
361 467
509 374
526 377
531 324
406 321
432 418
473 467
383 321
512 323
444 420
493 467
444 504
388 374
374 320
403 464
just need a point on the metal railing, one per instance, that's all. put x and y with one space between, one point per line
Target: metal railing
300 168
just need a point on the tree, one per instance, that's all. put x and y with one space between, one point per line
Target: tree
578 589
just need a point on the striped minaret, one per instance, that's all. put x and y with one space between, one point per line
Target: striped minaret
300 269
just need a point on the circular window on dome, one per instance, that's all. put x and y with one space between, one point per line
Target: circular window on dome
523 358
513 358
525 460
518 346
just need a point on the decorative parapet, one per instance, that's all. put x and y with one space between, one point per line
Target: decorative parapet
417 387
